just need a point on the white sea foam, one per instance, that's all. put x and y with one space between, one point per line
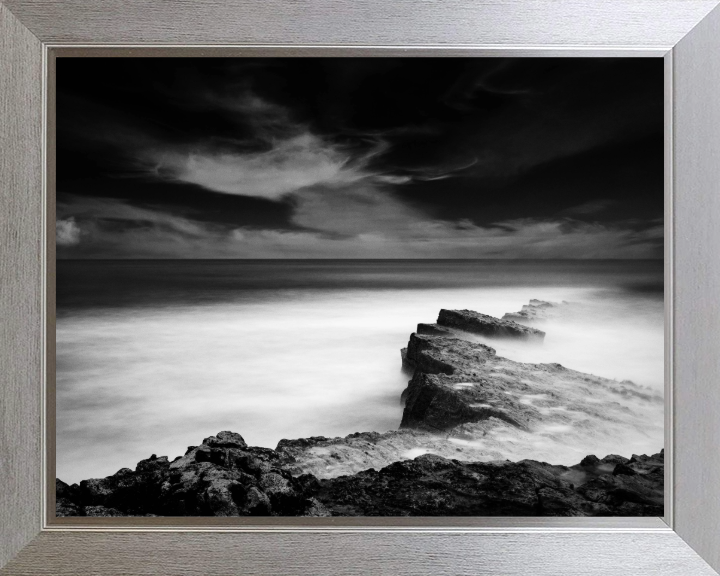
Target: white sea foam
156 378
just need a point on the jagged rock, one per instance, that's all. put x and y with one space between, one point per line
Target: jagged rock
221 477
485 405
623 469
590 460
65 498
435 402
457 381
134 493
635 487
433 486
484 325
224 477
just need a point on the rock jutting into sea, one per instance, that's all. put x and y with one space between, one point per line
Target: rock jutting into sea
467 403
484 325
536 311
457 382
476 433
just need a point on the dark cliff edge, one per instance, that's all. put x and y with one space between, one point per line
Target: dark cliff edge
464 408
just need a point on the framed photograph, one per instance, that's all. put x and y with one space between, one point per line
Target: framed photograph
432 293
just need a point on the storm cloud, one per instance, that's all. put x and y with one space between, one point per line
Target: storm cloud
360 158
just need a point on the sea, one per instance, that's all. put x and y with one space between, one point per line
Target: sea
152 356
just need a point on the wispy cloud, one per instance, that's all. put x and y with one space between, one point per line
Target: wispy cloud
348 192
287 166
591 207
351 210
278 157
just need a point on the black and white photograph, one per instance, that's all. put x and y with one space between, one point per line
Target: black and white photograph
359 287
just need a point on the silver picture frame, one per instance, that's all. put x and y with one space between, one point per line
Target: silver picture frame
685 33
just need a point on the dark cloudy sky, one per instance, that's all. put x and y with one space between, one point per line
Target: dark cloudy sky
360 158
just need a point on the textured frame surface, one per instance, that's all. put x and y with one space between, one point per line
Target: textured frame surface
688 30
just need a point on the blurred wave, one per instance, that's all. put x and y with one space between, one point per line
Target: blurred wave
154 356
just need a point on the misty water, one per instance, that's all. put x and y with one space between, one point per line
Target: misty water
154 356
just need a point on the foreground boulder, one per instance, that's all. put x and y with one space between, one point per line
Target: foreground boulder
221 477
224 477
66 498
484 325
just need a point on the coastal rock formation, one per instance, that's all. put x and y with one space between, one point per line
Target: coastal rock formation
224 477
66 498
457 382
433 486
475 434
221 477
484 325
433 330
467 403
535 311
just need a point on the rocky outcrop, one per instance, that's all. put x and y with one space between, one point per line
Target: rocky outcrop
536 311
221 477
457 382
66 498
484 325
225 477
433 486
440 397
433 330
